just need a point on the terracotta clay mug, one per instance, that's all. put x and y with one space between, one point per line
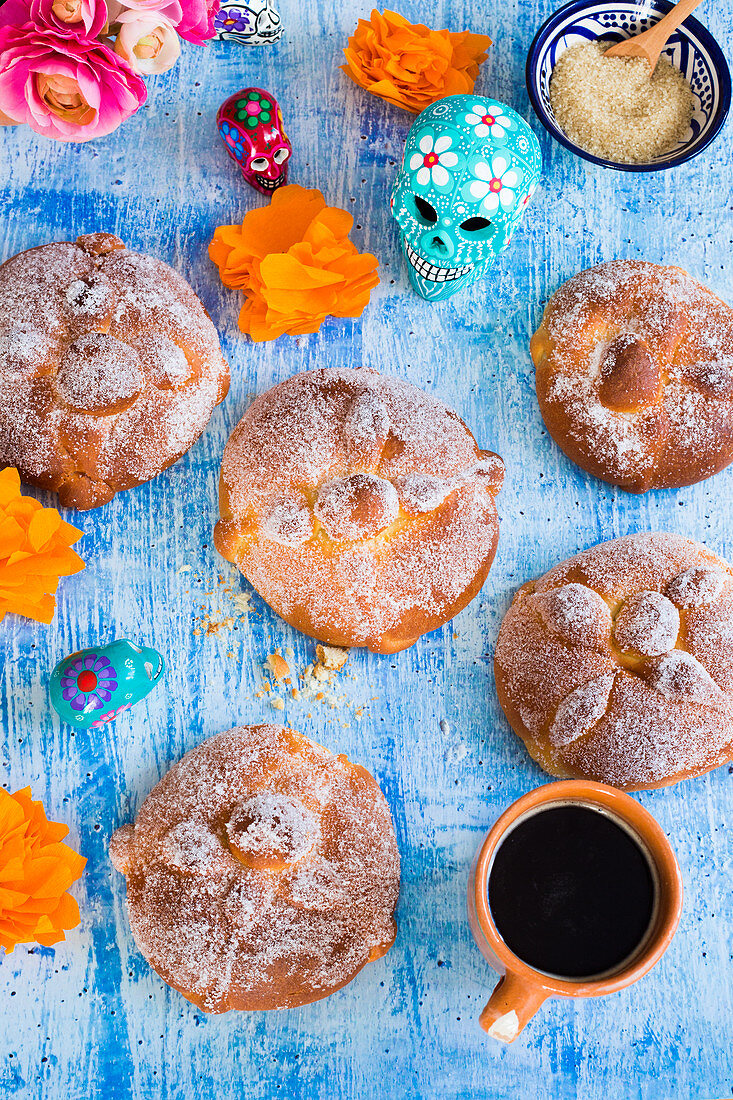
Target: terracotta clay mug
522 989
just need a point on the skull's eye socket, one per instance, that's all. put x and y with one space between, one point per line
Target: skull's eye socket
425 211
280 155
473 225
260 164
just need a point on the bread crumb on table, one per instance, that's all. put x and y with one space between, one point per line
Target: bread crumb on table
332 657
317 682
278 666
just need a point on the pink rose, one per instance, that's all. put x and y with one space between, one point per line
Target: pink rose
148 43
197 24
193 19
67 16
171 9
65 88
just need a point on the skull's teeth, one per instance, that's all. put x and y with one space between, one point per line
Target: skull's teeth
430 271
269 184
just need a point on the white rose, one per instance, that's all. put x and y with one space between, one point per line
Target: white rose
147 40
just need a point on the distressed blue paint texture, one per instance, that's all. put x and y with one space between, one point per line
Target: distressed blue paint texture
89 1019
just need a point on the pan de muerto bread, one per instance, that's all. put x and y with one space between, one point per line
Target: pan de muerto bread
617 665
635 375
359 507
262 871
109 368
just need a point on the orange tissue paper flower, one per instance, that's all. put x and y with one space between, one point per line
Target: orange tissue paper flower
36 870
410 65
295 263
35 550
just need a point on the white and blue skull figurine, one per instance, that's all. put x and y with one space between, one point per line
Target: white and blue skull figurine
471 166
248 22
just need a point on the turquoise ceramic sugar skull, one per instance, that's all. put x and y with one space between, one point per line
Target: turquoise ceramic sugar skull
93 686
471 166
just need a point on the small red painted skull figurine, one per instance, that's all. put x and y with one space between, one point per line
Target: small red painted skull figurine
250 124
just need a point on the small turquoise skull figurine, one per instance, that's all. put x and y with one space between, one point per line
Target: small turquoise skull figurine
93 686
471 166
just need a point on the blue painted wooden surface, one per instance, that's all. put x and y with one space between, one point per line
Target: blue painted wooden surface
90 1019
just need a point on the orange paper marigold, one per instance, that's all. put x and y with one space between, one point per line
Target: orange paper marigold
36 870
295 263
410 65
35 550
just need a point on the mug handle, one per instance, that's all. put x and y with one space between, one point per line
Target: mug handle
511 1006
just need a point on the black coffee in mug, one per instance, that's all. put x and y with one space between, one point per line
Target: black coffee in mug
571 892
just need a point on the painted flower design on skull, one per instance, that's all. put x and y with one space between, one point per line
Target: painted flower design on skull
494 185
489 122
88 682
233 139
530 193
432 162
233 19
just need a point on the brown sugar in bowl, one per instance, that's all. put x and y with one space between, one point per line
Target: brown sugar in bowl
634 375
109 368
359 507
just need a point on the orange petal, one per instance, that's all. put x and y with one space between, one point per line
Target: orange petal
293 262
409 64
9 485
43 527
35 906
34 552
12 536
276 227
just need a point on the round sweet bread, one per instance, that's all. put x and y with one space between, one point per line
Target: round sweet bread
262 871
634 375
359 507
617 665
109 368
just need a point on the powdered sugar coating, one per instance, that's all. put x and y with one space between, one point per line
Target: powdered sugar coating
272 829
676 426
289 522
580 710
666 671
291 930
696 587
99 374
109 368
678 675
420 492
647 622
192 848
386 559
576 614
356 507
366 425
26 350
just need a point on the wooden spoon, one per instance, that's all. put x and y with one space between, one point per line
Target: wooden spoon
650 44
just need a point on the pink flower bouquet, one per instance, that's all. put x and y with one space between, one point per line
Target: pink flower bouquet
73 69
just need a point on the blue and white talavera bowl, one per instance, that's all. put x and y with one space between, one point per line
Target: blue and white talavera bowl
691 48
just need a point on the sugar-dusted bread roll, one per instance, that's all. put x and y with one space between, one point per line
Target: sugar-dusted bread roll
359 507
262 871
617 665
634 375
109 368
